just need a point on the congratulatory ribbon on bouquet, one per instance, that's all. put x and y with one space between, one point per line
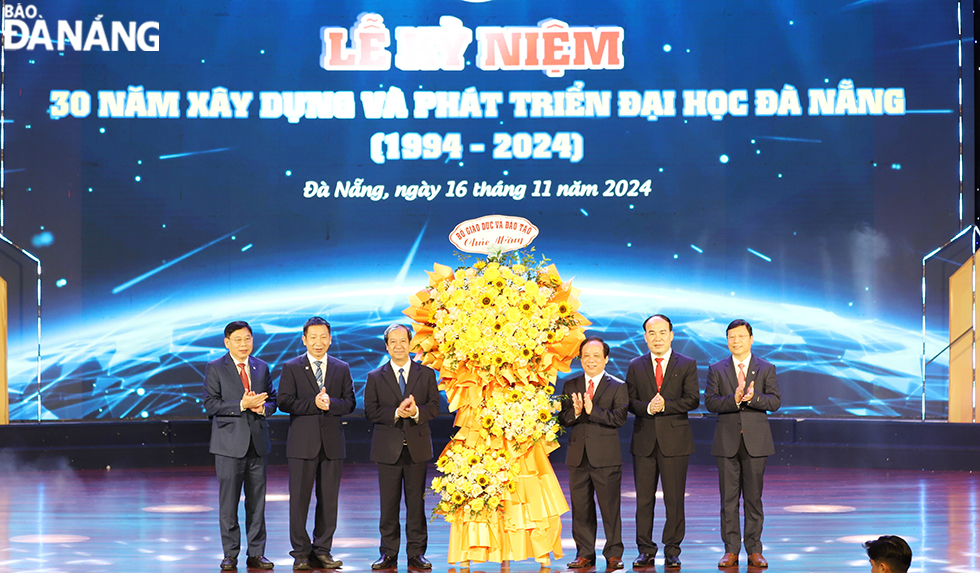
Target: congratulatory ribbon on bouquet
499 332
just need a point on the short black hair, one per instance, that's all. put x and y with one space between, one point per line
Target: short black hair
670 325
891 550
315 321
737 323
395 326
605 347
235 326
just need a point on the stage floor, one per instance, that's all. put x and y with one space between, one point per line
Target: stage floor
166 520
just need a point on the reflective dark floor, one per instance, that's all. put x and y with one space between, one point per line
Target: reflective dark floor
166 520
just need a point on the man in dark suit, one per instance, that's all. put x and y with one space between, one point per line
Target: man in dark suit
741 389
663 388
400 398
316 390
595 408
238 395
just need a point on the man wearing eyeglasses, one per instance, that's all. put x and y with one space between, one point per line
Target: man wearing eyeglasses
741 390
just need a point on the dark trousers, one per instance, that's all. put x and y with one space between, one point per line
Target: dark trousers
303 476
671 471
234 474
392 479
741 476
588 484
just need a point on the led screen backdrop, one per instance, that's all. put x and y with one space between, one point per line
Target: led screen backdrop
178 165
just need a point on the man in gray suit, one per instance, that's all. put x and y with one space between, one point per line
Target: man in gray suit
400 398
238 395
595 408
741 389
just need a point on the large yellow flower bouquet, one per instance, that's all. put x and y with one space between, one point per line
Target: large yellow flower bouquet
499 332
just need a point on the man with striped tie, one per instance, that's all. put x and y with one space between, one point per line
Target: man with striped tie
316 390
400 398
741 389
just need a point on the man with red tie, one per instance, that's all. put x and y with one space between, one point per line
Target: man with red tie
238 395
663 388
741 389
594 410
316 390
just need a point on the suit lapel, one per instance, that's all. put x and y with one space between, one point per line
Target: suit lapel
750 374
651 374
392 379
233 372
599 388
311 376
731 376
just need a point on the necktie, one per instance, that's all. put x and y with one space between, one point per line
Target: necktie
741 375
591 390
244 375
660 373
319 373
401 380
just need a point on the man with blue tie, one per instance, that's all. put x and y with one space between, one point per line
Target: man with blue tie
316 390
400 398
741 390
238 395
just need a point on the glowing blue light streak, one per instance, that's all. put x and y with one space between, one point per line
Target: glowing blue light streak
189 153
928 111
800 139
403 272
584 212
760 255
169 264
246 247
697 248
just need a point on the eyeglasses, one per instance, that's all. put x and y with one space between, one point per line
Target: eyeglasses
739 337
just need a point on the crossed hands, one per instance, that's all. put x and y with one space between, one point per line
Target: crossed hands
254 402
323 400
408 408
581 401
657 404
741 396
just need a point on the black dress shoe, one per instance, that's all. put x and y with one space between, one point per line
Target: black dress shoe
644 560
672 561
385 562
301 564
327 561
419 562
581 563
229 564
259 562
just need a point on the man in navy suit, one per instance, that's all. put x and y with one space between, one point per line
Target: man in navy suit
400 398
663 388
595 409
238 395
316 390
741 389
